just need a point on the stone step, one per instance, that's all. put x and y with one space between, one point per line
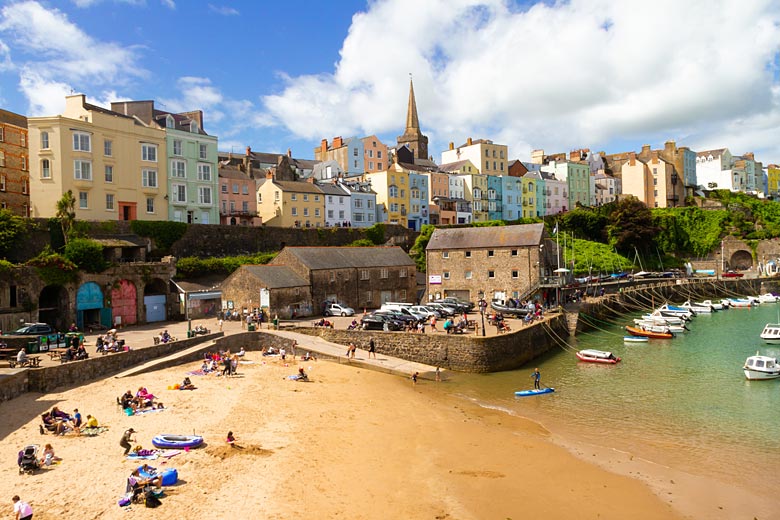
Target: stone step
157 363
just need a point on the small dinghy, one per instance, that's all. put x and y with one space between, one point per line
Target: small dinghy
177 441
526 393
597 356
635 339
634 331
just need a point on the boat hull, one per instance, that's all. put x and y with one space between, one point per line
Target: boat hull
756 375
605 358
648 334
635 339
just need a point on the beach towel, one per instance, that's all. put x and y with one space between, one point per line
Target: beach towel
146 456
197 373
247 362
149 410
91 432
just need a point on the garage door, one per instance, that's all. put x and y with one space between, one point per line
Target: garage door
124 303
155 307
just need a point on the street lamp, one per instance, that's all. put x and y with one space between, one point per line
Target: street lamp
482 305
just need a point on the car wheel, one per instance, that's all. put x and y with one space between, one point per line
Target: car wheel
326 313
343 314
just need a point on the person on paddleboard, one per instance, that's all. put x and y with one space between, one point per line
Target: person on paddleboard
537 379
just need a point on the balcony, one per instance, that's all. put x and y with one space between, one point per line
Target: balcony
237 213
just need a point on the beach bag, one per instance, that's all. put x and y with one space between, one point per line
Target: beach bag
151 500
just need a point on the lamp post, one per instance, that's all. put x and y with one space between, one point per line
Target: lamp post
674 179
482 305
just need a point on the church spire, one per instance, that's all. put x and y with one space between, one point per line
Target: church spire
412 122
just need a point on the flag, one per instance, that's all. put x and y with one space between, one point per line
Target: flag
555 231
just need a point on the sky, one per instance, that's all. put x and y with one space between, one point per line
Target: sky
606 75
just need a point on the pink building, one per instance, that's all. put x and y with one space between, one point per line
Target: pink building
375 155
237 198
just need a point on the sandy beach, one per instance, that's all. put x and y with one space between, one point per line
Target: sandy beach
351 443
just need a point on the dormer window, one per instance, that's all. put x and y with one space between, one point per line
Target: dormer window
169 122
194 127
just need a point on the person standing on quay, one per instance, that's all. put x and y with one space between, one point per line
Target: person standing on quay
371 348
22 509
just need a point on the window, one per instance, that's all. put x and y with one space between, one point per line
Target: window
82 142
370 165
491 253
232 206
204 172
371 153
24 162
316 198
467 254
203 151
179 169
224 188
515 273
446 275
402 273
514 252
44 140
45 169
109 173
82 170
379 156
204 217
245 189
245 206
355 152
83 200
445 254
177 148
491 274
294 196
149 178
384 273
204 195
655 182
468 275
149 152
109 202
305 212
364 274
2 158
179 192
379 165
305 197
150 204
294 211
108 147
2 182
358 203
316 212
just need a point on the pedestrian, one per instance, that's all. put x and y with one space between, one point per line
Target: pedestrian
433 323
292 348
219 324
352 350
371 348
438 374
349 349
126 440
22 509
414 378
537 376
283 353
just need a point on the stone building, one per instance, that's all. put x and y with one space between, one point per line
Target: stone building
360 277
276 289
14 164
492 262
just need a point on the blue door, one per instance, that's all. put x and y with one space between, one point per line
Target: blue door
89 302
155 307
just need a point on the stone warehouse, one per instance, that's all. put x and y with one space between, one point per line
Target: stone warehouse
277 289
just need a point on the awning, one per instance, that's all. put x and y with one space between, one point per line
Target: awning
210 295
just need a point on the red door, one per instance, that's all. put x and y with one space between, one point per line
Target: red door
124 303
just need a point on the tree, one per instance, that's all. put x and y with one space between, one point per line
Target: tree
66 213
86 254
11 227
631 226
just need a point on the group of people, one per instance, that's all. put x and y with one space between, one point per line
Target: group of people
165 337
109 342
212 361
59 423
141 400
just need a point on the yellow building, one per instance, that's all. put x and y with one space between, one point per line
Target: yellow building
773 179
475 188
290 203
392 192
489 158
114 164
529 196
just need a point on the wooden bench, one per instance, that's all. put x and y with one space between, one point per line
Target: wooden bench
32 362
473 325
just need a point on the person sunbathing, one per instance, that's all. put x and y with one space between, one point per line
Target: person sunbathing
301 375
186 384
51 424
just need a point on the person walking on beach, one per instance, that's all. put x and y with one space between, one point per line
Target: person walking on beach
414 378
371 348
126 440
352 350
438 374
22 509
537 376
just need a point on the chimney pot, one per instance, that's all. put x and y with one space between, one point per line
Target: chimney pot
248 151
289 152
468 141
452 145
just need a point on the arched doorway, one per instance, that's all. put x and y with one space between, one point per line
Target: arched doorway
124 303
741 260
52 306
89 307
155 299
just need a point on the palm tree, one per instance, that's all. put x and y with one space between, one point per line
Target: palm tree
66 213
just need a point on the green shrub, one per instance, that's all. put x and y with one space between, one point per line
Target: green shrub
53 268
12 227
86 254
194 267
163 233
376 234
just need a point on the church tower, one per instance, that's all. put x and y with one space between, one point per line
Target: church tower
413 138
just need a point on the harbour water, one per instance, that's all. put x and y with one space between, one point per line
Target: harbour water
684 402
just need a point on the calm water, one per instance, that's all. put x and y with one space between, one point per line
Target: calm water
683 402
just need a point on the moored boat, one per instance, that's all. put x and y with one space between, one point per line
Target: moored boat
771 333
761 367
658 326
635 339
768 298
636 331
661 320
717 306
740 303
597 356
674 310
698 309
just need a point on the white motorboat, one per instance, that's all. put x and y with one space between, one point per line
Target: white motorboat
740 303
661 320
716 306
771 333
761 367
673 310
657 326
725 302
698 309
768 298
635 339
597 356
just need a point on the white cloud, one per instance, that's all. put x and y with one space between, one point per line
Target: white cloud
89 3
560 76
170 4
5 57
72 59
224 10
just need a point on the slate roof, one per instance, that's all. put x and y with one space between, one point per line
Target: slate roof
275 276
715 153
232 173
318 258
524 235
332 189
453 166
294 187
13 119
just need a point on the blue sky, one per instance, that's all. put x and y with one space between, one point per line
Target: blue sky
596 74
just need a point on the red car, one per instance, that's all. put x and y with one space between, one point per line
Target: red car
732 274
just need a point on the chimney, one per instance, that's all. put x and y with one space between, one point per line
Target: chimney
452 145
337 142
269 173
324 147
289 153
645 149
749 155
654 156
632 158
468 141
248 151
669 147
574 155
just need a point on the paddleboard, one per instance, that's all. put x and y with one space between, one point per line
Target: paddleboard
526 393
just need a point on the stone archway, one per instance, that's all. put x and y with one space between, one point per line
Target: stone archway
155 300
53 305
741 260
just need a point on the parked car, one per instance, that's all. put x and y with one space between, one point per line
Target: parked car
457 301
444 310
337 309
398 316
732 274
32 329
426 311
384 322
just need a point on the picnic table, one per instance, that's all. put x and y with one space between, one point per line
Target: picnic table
56 353
32 362
8 353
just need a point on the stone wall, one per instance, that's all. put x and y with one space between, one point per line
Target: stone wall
462 353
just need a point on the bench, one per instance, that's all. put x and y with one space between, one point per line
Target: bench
31 362
473 325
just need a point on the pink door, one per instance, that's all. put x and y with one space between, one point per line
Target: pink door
124 303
